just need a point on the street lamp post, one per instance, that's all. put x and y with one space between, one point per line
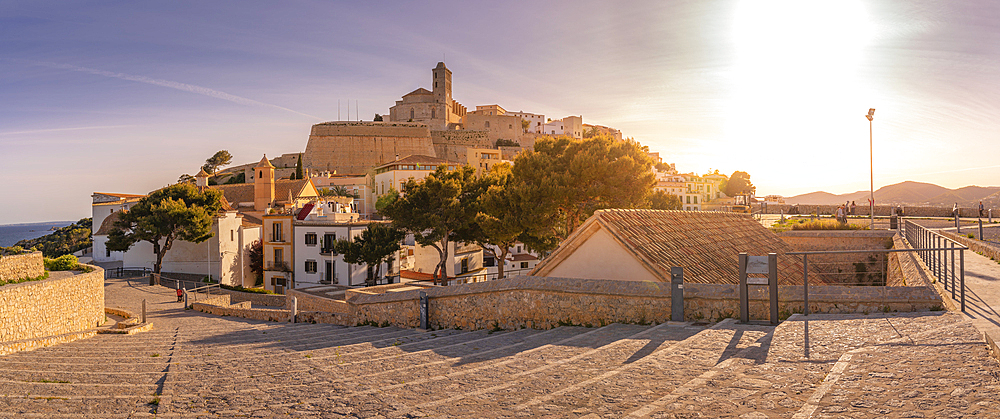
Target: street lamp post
871 166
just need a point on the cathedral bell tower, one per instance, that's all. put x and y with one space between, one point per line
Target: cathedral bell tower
263 185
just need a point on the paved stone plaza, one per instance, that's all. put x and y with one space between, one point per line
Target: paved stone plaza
196 365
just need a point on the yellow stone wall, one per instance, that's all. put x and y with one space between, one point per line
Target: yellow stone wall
55 306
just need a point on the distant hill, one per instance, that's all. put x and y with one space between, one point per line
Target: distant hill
907 193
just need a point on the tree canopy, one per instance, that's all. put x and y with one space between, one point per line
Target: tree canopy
219 159
502 208
437 210
374 246
660 200
569 179
738 184
177 212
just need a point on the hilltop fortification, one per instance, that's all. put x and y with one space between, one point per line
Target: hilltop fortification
349 147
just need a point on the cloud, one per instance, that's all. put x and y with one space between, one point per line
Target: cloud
190 88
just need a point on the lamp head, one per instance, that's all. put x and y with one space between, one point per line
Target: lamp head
871 114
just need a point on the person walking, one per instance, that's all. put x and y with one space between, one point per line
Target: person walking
954 210
854 208
841 217
980 209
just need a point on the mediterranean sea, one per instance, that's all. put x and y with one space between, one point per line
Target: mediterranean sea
13 233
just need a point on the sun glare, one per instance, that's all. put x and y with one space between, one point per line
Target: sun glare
795 75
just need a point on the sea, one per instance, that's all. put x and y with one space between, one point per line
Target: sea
13 233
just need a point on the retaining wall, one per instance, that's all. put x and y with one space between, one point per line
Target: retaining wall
309 302
28 265
880 210
843 268
270 300
64 303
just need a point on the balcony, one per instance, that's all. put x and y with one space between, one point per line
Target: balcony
279 266
277 239
328 251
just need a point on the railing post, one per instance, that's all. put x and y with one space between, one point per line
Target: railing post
952 244
980 229
961 254
744 296
143 310
805 285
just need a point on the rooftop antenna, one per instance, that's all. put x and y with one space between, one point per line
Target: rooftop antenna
338 109
356 114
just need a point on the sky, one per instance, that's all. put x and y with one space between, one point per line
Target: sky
126 96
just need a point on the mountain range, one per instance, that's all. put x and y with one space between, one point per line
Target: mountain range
908 193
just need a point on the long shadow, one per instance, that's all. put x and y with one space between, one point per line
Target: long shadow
653 344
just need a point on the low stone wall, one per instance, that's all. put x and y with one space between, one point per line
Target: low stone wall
991 251
309 302
28 265
534 302
220 306
844 268
880 210
327 318
270 300
62 304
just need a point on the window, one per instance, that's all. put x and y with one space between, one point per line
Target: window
310 239
696 200
411 113
465 265
689 200
232 235
510 126
486 124
107 252
433 113
276 232
310 266
524 265
329 243
518 248
278 255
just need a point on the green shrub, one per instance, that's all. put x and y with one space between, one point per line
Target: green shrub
828 225
250 290
61 263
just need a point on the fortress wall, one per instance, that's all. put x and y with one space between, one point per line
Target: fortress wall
452 144
355 147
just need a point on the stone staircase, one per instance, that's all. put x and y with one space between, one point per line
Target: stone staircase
195 365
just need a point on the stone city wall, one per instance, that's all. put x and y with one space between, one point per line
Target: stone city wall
220 306
65 303
28 265
356 147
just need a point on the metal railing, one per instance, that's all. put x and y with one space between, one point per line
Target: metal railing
468 279
938 253
203 292
122 272
280 266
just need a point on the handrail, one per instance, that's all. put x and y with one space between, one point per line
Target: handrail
930 244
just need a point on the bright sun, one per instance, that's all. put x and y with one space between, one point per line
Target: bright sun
795 75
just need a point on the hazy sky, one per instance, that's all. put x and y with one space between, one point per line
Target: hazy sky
126 96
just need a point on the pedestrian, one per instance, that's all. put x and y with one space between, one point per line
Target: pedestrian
841 218
853 208
847 208
980 209
180 295
954 210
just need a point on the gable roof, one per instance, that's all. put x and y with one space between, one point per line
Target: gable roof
419 91
706 244
418 159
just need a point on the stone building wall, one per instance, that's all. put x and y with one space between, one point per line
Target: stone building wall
356 147
28 265
62 304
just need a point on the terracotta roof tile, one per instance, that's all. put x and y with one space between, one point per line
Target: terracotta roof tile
706 244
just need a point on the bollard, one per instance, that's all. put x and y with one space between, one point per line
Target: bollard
185 297
958 225
677 294
423 310
295 310
143 310
980 229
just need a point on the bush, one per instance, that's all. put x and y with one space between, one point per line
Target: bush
250 290
828 225
61 263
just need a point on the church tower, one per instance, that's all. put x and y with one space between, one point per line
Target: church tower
442 85
263 185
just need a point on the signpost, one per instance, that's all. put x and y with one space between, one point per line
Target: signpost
423 310
758 265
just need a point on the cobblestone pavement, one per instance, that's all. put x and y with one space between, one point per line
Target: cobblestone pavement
196 365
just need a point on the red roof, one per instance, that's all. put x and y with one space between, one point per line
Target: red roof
304 212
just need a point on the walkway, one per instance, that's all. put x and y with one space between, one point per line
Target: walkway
196 365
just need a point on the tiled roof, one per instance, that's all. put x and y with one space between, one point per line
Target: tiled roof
244 192
107 224
523 256
264 163
419 159
706 244
119 195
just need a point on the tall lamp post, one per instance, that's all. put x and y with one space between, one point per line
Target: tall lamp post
871 166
